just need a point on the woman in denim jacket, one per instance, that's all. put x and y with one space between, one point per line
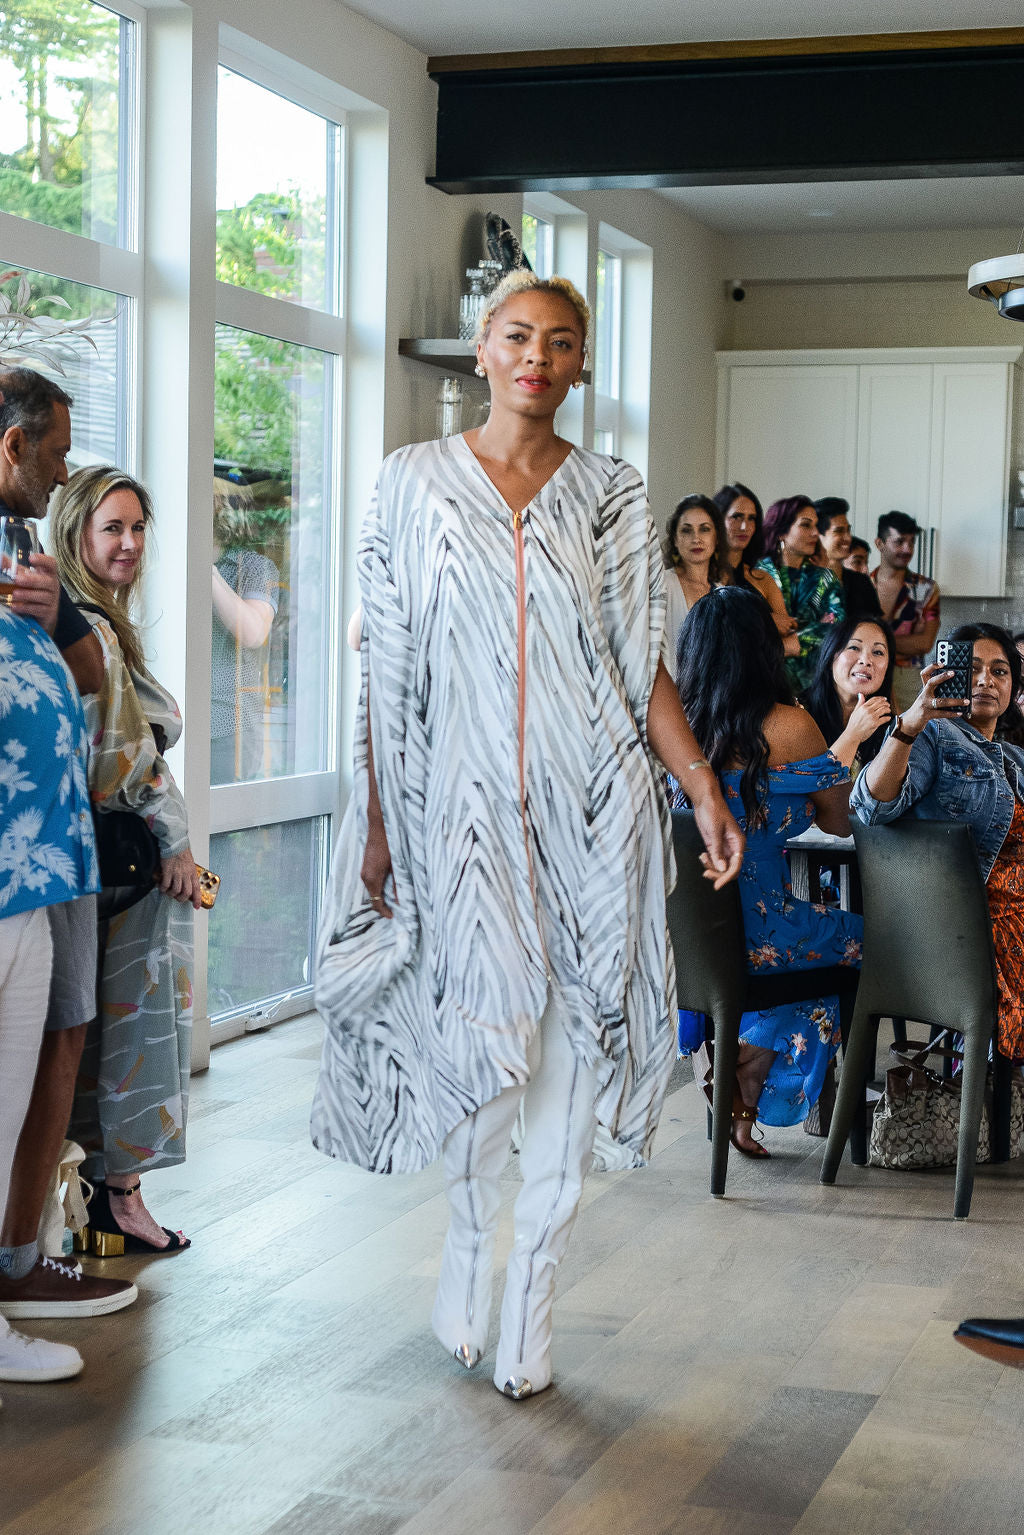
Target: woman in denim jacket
938 767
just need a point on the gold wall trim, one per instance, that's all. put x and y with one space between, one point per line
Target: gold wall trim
745 48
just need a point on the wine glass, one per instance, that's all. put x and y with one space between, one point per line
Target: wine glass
18 540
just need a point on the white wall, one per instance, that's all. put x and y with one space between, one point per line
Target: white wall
688 320
869 290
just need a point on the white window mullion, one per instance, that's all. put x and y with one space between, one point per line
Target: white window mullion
60 254
277 317
271 800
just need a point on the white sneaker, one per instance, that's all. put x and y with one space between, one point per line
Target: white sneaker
35 1359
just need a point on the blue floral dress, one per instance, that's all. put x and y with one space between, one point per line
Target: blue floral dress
783 932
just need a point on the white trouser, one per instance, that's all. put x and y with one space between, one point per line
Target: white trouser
559 1125
25 961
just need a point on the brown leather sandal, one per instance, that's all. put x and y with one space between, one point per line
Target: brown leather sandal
740 1111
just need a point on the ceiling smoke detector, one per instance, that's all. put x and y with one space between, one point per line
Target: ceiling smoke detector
1001 281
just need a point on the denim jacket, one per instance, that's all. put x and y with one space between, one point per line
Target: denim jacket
954 774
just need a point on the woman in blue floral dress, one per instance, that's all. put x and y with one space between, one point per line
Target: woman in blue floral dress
777 777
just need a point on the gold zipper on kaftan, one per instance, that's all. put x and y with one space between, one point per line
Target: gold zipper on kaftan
517 529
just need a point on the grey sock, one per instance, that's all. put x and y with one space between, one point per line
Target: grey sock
16 1262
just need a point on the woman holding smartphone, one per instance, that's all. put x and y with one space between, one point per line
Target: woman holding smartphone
131 1100
939 765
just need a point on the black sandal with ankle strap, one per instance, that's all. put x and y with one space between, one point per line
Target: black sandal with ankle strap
104 1238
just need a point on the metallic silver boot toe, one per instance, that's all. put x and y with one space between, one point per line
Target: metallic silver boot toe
517 1387
468 1358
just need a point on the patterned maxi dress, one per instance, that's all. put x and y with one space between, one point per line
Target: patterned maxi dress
507 665
131 1098
1005 890
814 598
782 931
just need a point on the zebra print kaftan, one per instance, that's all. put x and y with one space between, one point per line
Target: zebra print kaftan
507 673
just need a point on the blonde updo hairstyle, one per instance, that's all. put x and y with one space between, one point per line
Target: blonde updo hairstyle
73 505
523 281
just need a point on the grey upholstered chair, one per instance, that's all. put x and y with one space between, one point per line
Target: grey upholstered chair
706 927
927 955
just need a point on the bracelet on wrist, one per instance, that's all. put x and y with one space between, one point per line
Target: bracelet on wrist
699 762
899 732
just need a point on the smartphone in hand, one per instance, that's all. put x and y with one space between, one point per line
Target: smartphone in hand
956 656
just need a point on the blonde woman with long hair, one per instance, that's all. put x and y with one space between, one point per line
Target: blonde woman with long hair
131 1099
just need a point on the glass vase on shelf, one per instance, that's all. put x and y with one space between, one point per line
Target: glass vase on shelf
471 304
449 407
492 271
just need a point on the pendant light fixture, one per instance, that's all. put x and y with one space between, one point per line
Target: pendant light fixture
1001 281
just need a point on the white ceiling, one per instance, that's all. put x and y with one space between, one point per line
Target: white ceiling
469 26
844 207
478 26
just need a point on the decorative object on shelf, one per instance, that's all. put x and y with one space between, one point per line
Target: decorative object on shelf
1001 281
471 304
503 245
483 279
449 407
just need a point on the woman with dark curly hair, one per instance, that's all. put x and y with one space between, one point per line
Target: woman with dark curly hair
938 766
777 776
810 591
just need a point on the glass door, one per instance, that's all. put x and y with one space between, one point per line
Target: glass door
275 492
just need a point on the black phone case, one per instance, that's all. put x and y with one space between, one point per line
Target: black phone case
959 660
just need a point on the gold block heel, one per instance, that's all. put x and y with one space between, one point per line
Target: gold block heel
106 1244
82 1240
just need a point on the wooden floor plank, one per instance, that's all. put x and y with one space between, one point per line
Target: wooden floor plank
780 1360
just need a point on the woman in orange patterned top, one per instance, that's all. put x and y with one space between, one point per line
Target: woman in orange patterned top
936 766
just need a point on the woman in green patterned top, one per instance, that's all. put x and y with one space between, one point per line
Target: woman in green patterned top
810 591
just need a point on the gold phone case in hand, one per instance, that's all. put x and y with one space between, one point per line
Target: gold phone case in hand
209 885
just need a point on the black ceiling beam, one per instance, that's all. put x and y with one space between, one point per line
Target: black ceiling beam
858 116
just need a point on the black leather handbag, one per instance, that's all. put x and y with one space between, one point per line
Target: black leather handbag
129 859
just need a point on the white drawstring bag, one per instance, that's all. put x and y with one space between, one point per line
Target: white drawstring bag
65 1203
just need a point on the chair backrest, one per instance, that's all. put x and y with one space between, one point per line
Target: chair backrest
706 928
927 932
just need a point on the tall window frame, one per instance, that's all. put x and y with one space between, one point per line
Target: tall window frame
115 268
621 410
308 797
567 248
608 343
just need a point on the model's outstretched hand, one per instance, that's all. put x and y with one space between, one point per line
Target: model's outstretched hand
722 838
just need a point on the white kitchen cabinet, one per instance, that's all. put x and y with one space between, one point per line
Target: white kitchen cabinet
970 444
922 430
894 425
806 427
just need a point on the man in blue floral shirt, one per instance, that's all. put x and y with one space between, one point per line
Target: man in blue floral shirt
47 842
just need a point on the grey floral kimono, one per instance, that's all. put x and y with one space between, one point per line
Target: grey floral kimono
507 666
132 1096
